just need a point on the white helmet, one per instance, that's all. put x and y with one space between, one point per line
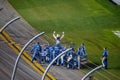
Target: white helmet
58 35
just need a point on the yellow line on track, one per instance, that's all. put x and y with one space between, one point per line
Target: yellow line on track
26 57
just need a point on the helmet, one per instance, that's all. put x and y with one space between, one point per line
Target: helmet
58 35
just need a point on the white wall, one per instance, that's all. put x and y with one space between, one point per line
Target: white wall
116 1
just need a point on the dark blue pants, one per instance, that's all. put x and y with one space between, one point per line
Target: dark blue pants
106 63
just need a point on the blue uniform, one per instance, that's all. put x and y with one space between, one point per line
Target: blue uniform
62 59
57 52
47 47
48 53
105 55
70 53
70 61
43 55
37 49
51 54
81 51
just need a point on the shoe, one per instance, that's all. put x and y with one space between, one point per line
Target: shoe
31 61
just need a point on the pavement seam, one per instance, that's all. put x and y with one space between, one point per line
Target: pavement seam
26 57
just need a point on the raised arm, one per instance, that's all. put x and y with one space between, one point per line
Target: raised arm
54 35
32 49
62 35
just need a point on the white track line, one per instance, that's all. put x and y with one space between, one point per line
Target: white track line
117 33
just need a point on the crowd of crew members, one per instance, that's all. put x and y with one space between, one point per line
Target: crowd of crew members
47 53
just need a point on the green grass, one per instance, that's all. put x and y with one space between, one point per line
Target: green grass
88 21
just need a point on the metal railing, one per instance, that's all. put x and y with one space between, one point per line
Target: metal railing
47 69
8 23
95 69
22 50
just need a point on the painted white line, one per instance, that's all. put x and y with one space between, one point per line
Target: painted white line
117 33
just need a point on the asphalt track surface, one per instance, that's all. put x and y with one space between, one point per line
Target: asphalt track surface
21 32
7 60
